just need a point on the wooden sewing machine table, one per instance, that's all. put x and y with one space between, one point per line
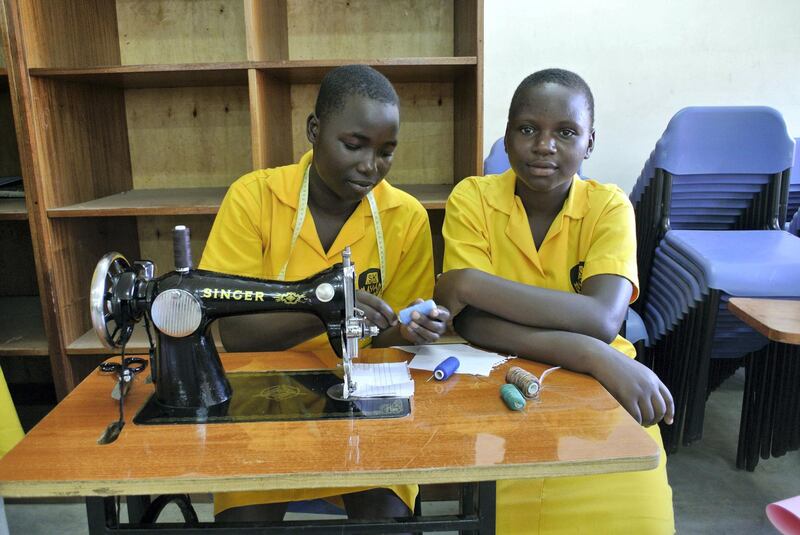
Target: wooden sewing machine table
459 431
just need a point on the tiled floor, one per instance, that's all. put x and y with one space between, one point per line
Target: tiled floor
710 495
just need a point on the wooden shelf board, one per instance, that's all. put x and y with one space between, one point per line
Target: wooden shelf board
146 76
200 201
13 209
143 202
89 344
22 329
441 69
438 69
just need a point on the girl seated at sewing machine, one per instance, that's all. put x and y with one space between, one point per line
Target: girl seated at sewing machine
290 222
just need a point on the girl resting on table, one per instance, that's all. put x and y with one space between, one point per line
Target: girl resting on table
291 222
542 264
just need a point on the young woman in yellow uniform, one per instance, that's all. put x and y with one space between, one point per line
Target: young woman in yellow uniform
542 264
290 222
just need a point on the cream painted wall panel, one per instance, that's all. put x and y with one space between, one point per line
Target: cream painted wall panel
644 61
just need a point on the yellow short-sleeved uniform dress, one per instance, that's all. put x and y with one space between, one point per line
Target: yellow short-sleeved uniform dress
486 227
252 236
10 430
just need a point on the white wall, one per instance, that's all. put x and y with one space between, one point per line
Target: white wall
644 60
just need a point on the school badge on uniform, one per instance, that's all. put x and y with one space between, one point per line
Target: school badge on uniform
576 276
370 281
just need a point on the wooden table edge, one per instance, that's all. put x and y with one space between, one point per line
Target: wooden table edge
47 489
755 323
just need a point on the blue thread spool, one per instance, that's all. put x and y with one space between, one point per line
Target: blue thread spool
424 308
446 368
512 397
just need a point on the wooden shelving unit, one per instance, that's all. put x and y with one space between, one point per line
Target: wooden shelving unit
143 112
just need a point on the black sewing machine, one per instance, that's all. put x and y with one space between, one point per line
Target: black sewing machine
182 304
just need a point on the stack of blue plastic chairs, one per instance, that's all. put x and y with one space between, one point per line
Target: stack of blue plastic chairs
707 208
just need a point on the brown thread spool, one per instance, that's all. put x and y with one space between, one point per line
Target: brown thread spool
527 383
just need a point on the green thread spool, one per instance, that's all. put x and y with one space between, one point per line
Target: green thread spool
512 397
527 383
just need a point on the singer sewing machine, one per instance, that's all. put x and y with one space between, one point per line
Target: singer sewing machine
190 382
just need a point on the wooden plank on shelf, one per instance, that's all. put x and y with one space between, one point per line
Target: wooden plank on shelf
398 70
148 202
13 209
365 28
22 329
150 76
188 136
176 31
412 69
199 201
89 343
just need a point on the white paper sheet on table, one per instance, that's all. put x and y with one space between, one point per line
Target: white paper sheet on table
471 361
386 379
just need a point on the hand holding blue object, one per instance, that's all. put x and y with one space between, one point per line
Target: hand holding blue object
424 308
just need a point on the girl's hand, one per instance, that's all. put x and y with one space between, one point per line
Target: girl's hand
637 389
376 310
426 329
449 290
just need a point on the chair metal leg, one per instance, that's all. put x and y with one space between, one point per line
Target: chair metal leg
698 385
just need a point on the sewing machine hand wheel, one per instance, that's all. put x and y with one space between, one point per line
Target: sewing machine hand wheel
109 318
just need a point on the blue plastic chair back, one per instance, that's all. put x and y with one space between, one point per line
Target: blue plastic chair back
702 140
497 161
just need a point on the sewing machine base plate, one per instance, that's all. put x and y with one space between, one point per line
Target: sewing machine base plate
277 396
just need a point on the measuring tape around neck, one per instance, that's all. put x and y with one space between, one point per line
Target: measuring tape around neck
302 208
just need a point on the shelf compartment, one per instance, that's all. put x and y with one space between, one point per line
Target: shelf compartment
13 209
81 33
387 29
22 330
